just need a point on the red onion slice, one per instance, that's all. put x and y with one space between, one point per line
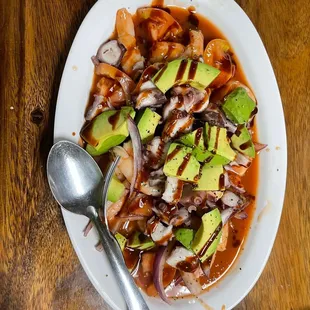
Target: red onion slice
95 60
159 264
137 152
99 246
241 215
259 147
226 214
230 199
88 228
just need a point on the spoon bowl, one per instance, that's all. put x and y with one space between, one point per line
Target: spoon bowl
75 179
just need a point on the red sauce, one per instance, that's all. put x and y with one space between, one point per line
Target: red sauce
184 164
174 153
192 70
198 135
181 70
163 69
113 119
238 229
211 239
190 264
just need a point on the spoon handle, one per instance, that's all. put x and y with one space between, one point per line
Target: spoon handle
130 291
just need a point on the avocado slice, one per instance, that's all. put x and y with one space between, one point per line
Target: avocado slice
216 138
185 71
211 178
185 236
115 190
106 130
242 142
238 106
195 139
208 235
180 163
207 157
147 121
140 241
121 240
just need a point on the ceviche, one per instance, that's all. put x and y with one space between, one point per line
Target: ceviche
169 97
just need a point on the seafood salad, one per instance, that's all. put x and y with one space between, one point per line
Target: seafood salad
170 99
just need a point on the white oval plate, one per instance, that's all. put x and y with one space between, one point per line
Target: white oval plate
72 99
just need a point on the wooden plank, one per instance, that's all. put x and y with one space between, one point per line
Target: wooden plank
38 267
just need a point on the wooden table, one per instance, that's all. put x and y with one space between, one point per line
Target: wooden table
38 266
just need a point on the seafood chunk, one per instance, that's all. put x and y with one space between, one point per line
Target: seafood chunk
215 117
187 99
150 98
217 54
194 49
132 60
166 51
160 233
125 167
173 190
178 123
156 152
181 217
183 259
159 25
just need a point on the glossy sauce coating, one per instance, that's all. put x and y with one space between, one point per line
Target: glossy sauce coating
238 229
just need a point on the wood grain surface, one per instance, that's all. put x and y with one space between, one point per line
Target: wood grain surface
38 266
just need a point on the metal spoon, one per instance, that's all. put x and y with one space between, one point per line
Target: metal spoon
78 185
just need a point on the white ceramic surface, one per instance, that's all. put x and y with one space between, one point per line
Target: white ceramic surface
73 95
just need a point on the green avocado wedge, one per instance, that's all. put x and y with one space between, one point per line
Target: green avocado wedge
180 163
196 140
216 138
211 178
147 121
238 106
242 142
121 240
140 241
185 71
208 235
115 190
106 130
185 236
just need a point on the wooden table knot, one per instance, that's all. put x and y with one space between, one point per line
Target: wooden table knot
37 116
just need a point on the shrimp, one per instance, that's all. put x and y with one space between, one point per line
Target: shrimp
111 90
125 28
132 60
159 25
166 51
217 54
124 85
104 86
194 49
125 166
